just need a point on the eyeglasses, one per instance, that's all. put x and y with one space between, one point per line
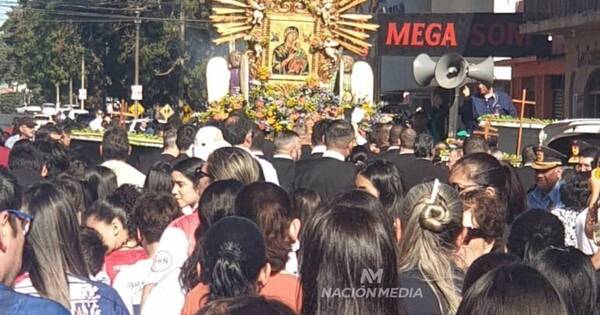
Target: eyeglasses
460 189
24 217
201 174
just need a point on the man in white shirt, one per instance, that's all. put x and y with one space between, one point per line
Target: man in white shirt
115 150
25 130
238 131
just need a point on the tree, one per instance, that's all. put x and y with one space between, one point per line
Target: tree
42 43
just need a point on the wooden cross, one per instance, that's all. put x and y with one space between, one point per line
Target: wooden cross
488 131
523 102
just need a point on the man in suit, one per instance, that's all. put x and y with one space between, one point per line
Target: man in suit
406 154
421 169
330 174
287 152
317 138
394 149
168 154
185 138
238 130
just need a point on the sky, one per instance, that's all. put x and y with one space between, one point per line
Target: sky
4 8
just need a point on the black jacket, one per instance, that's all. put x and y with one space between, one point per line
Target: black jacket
286 172
326 176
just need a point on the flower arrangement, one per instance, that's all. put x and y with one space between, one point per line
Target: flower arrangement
277 107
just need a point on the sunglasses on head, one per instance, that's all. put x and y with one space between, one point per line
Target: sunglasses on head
24 217
473 233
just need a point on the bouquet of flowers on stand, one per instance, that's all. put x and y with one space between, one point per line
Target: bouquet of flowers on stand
277 107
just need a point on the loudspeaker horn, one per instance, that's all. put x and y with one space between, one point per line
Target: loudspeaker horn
483 71
451 70
423 69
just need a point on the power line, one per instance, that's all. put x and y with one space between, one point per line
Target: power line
113 16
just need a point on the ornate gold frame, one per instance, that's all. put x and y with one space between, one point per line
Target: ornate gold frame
334 29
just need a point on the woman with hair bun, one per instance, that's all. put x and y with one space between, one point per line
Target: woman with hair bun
432 236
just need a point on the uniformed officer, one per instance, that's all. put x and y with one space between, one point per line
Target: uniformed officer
548 166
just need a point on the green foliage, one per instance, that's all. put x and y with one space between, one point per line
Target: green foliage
10 101
39 47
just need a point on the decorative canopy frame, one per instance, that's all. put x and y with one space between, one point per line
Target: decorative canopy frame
294 39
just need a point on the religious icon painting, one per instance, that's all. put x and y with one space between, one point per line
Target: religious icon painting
289 57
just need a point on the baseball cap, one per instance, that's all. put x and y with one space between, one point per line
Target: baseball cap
207 140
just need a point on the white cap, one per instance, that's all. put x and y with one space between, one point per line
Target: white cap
208 139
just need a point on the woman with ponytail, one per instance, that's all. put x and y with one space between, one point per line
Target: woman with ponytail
432 236
233 260
534 231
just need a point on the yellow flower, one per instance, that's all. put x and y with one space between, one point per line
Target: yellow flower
263 74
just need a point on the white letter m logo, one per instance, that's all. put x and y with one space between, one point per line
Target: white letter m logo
370 276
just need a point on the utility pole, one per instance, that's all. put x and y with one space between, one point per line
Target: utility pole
181 52
82 80
70 91
138 21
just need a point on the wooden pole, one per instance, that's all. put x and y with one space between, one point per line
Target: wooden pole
521 116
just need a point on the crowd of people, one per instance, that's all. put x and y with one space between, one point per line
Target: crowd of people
226 220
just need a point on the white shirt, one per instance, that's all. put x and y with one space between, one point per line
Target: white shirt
318 149
334 155
291 266
167 297
172 252
96 124
10 142
129 283
393 147
267 168
584 244
126 174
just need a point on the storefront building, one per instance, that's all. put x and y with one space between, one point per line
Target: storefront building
578 22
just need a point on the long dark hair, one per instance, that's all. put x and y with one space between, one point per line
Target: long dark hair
102 180
191 168
159 178
514 289
53 244
572 274
232 256
269 206
534 231
385 176
338 244
486 171
217 202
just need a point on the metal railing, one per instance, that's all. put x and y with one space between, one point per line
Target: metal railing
536 10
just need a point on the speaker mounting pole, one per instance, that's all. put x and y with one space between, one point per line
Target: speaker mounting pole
453 112
451 72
